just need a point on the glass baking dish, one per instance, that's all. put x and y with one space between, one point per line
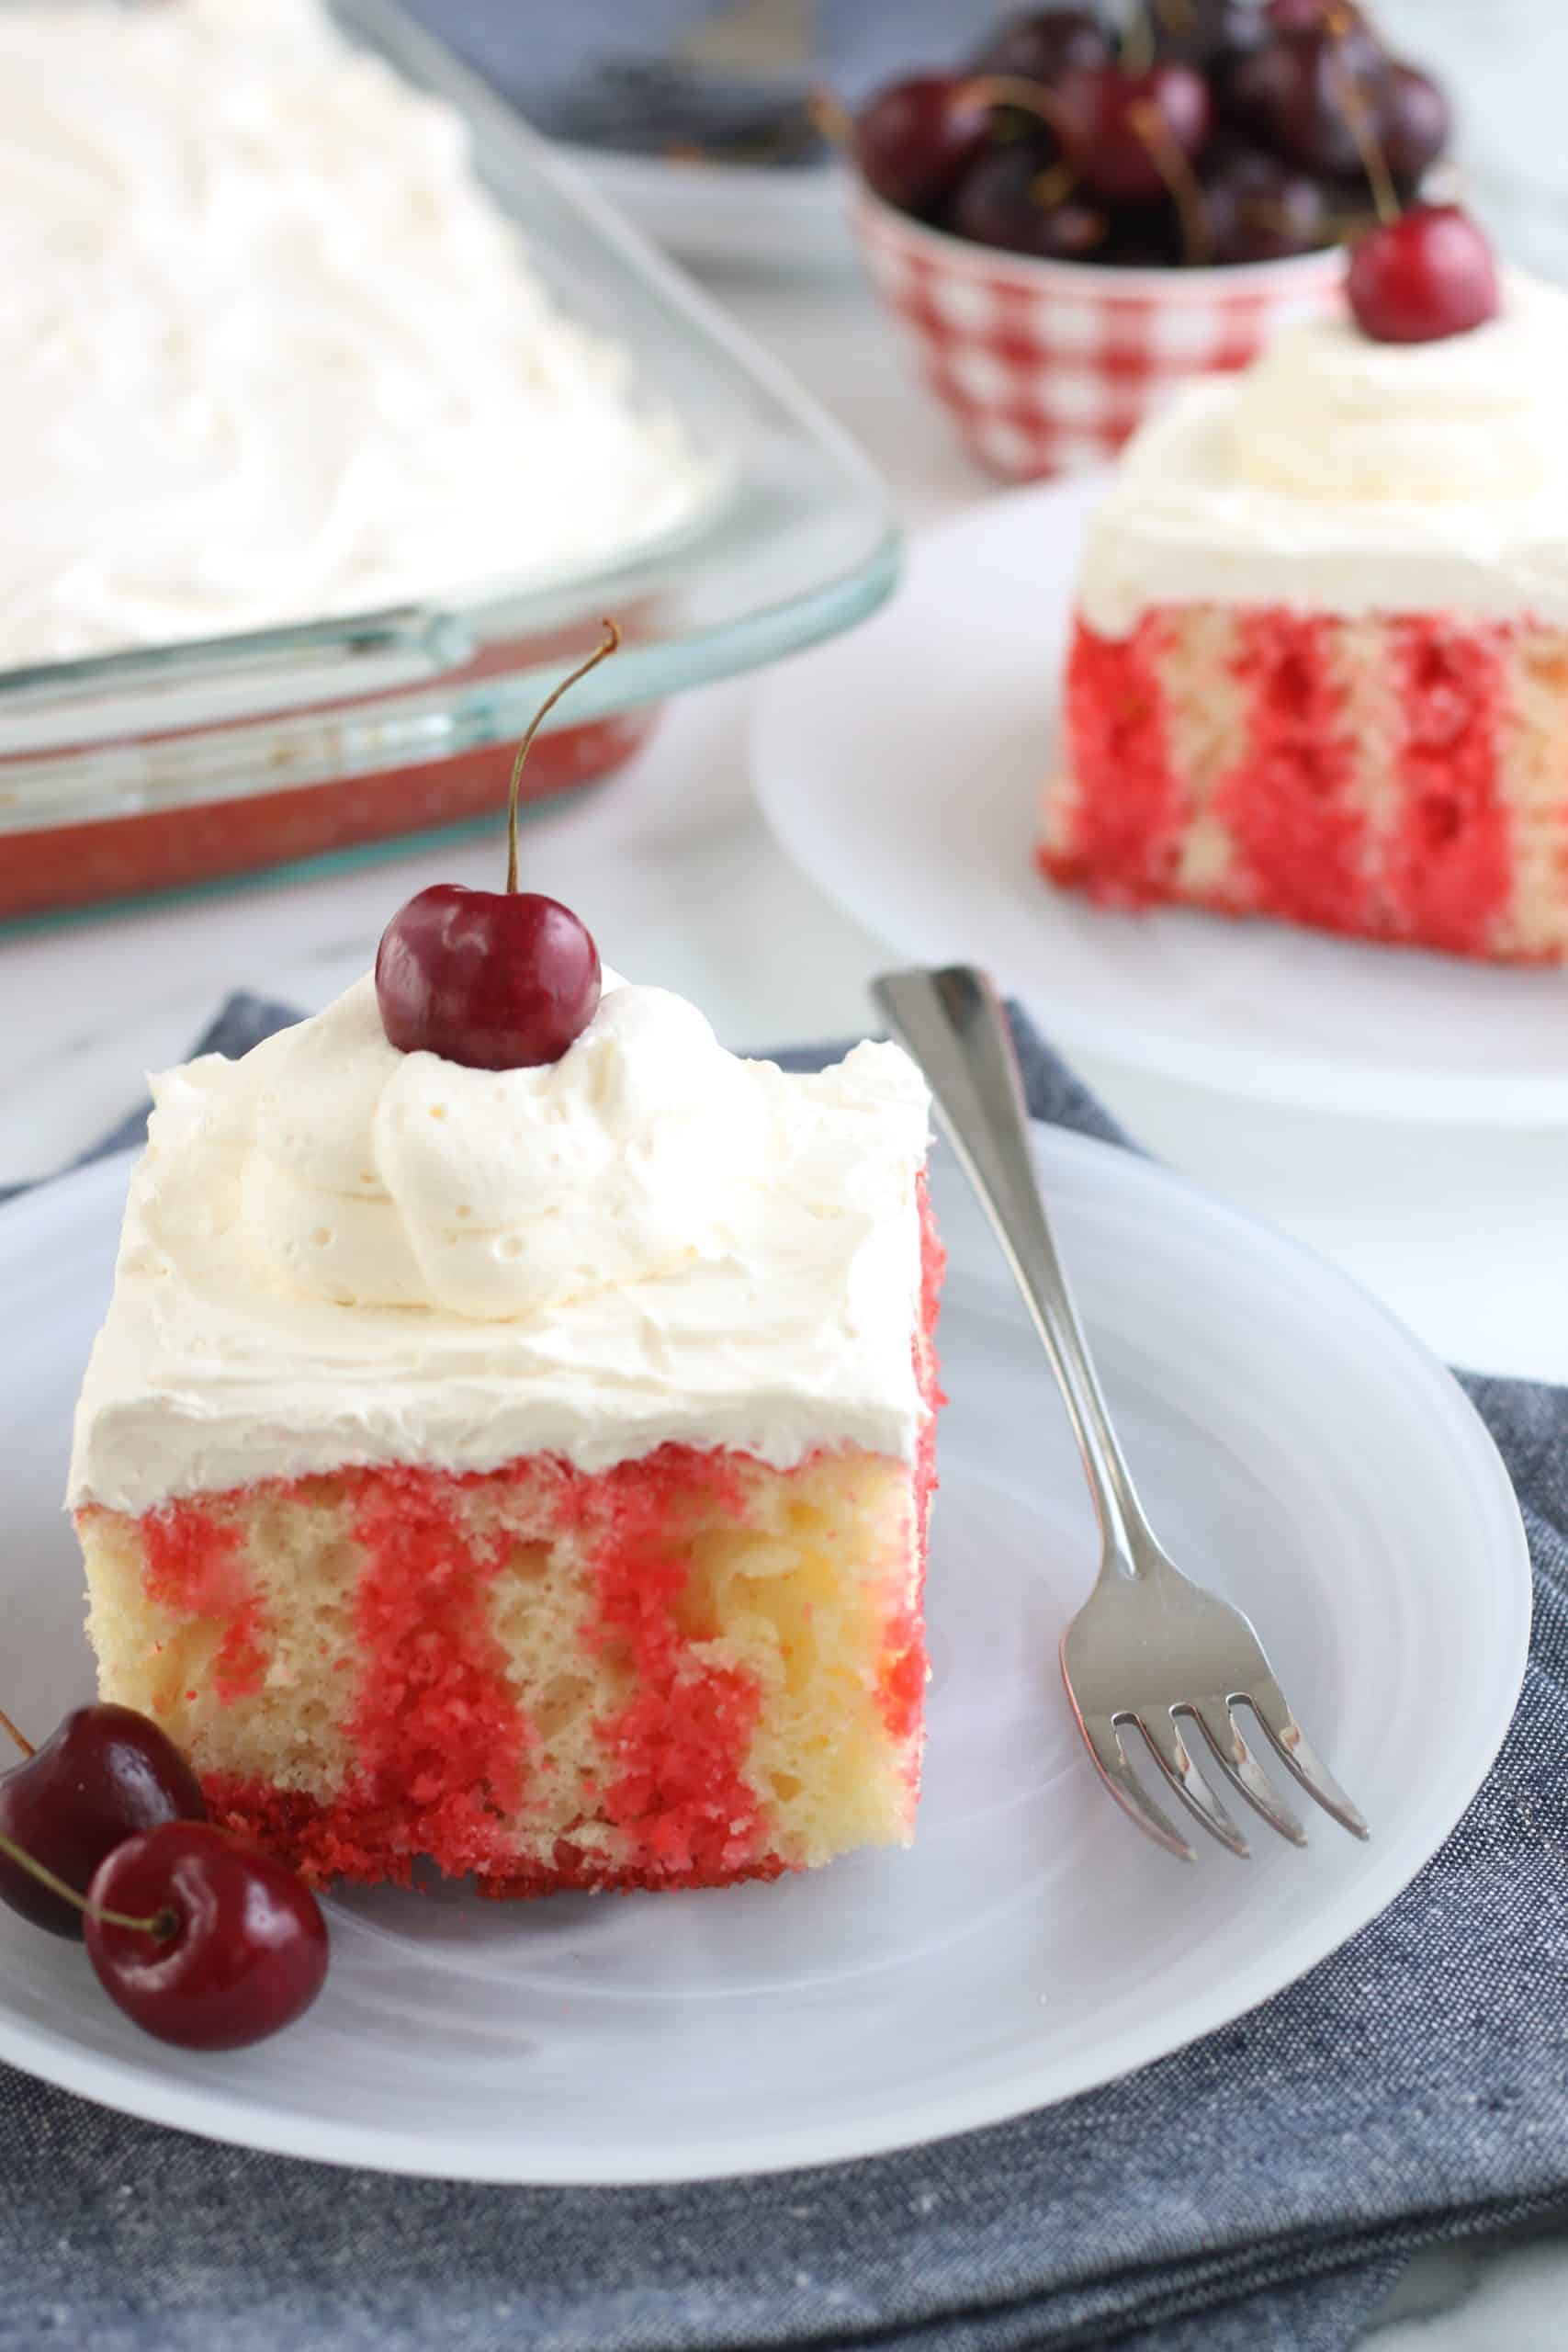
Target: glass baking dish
170 766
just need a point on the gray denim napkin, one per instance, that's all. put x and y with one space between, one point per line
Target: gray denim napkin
1261 2189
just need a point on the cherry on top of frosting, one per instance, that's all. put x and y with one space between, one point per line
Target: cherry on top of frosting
493 979
1425 275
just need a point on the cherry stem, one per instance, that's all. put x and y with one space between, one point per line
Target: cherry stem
1012 90
599 652
161 1926
1052 185
1179 17
1170 162
1138 41
1359 116
829 116
20 1737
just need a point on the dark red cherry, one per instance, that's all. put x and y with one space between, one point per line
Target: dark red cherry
913 139
1299 97
1143 236
1004 199
1415 122
211 1945
1426 275
1261 209
493 980
1121 129
1046 44
106 1773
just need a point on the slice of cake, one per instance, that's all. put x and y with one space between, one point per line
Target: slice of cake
1319 667
523 1468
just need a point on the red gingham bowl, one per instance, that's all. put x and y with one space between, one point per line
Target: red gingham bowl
1046 366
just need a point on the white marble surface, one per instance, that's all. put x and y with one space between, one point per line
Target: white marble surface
1458 1230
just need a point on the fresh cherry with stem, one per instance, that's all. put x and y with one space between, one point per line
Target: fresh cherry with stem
1418 276
105 1774
1425 275
1125 136
1295 94
1017 199
913 139
492 980
1123 128
201 1941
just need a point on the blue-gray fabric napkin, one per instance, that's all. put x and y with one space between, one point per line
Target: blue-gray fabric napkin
1260 2189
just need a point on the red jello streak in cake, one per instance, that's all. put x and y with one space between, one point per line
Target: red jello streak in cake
1451 873
433 1684
438 1741
901 1680
193 1568
436 1719
1129 809
1296 803
675 1751
1288 803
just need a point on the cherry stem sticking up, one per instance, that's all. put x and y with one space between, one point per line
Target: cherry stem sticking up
1178 18
1359 116
1138 41
23 1742
1029 97
599 652
1054 185
829 116
1187 194
161 1926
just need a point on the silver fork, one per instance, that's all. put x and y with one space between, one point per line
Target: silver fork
1150 1652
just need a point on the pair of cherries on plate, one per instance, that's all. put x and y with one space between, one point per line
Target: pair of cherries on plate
105 1838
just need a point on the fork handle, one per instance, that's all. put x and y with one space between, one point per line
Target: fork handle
954 1025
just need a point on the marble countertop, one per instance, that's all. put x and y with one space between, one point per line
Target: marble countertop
1459 1230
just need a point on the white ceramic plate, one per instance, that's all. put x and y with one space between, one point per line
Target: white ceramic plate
902 767
1293 1444
729 212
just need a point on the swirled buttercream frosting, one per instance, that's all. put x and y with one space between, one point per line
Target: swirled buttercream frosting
334 1252
1341 475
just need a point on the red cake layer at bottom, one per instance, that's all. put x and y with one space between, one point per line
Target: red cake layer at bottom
351 1839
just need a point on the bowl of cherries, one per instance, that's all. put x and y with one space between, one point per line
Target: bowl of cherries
1083 214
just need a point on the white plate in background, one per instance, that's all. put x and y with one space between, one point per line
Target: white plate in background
1295 1447
902 767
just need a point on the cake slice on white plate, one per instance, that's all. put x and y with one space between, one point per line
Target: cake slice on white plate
529 1467
1319 664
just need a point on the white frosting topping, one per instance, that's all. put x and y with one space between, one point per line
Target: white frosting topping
1341 475
334 1252
268 351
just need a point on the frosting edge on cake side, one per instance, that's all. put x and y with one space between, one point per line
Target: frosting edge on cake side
1341 476
337 1255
